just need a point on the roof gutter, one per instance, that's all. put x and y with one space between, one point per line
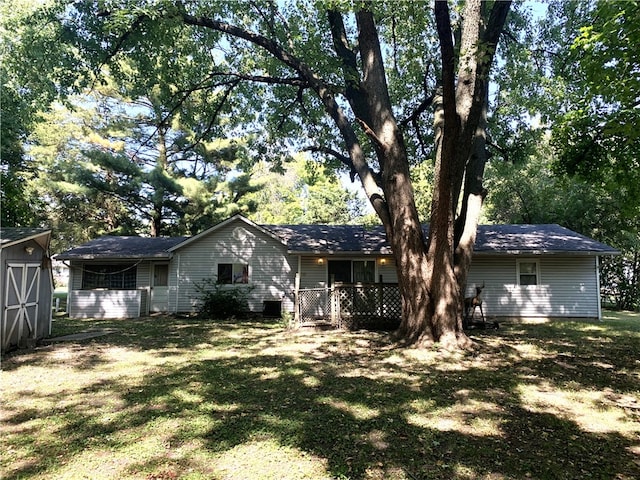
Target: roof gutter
111 257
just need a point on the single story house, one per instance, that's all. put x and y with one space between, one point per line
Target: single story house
26 286
527 270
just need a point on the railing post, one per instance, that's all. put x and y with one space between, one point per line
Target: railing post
333 301
296 300
380 297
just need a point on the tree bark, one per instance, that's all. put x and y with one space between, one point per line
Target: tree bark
460 159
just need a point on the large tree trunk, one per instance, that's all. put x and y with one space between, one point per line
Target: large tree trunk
431 274
432 284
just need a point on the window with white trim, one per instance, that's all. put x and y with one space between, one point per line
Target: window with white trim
231 273
352 271
528 272
110 276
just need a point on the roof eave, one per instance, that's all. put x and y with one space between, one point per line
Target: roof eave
222 224
112 257
573 253
339 253
35 237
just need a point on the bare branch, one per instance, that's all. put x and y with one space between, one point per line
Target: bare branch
330 151
370 133
119 43
420 109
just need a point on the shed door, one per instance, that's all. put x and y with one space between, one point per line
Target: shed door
22 291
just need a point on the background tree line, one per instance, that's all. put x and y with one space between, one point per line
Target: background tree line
129 144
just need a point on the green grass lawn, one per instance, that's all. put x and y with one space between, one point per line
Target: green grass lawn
165 398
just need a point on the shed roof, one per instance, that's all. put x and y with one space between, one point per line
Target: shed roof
14 235
354 239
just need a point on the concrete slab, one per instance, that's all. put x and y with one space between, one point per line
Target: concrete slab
80 336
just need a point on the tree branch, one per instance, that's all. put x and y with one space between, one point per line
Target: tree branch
447 53
421 141
330 151
184 95
322 89
293 81
371 134
120 42
420 109
349 64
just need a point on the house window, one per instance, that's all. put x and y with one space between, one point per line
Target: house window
364 271
112 277
229 273
528 272
352 271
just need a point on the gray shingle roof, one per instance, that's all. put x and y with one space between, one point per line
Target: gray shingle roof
12 235
535 239
522 239
116 247
327 239
331 238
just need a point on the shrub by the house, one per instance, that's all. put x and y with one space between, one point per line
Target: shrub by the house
221 301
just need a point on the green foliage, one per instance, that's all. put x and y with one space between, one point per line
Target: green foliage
620 281
134 176
16 205
218 301
531 192
595 134
306 192
18 106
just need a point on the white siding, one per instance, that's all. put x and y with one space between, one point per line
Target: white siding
75 284
568 287
75 276
387 270
312 273
105 303
271 270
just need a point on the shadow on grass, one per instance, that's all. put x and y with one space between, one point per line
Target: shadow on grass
366 409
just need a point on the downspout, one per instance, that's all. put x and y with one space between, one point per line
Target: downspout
177 284
296 293
597 263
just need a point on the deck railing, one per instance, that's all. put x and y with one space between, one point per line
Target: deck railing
351 305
